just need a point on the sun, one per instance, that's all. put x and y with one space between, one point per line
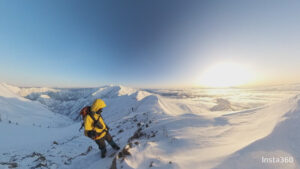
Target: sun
226 75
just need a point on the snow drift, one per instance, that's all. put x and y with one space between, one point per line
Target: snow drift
233 141
280 149
18 110
157 131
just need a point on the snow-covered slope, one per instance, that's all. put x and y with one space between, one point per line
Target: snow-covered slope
21 111
63 101
69 101
280 149
180 134
186 136
156 132
125 108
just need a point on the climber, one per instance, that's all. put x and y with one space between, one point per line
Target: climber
95 128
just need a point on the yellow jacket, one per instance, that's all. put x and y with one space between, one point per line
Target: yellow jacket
89 125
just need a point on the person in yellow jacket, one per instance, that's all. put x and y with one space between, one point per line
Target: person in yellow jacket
95 128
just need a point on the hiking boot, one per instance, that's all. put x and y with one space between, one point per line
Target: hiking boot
103 153
116 147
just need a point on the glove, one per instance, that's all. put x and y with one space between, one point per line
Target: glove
91 134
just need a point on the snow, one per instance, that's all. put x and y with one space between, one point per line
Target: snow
281 142
222 104
21 111
159 128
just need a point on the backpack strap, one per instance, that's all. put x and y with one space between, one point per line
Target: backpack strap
96 121
97 124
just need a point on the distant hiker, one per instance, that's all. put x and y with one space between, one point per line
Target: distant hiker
94 126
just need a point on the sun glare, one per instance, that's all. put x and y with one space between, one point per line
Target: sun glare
226 75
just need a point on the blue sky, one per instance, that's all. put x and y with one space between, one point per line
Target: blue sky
145 43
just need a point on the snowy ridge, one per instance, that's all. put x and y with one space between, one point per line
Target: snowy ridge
281 144
190 140
159 132
69 101
126 111
9 91
18 110
113 91
25 92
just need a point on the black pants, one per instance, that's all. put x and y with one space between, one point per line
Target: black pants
101 142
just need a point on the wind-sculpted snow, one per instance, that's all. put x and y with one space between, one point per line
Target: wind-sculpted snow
195 141
222 105
113 91
70 101
63 101
20 111
280 149
159 131
125 114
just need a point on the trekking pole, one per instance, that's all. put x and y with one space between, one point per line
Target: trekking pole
81 126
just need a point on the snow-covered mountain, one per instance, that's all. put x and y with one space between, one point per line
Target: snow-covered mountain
18 110
154 131
70 101
63 101
280 148
236 140
125 108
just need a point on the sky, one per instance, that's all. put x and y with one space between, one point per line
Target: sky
63 43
